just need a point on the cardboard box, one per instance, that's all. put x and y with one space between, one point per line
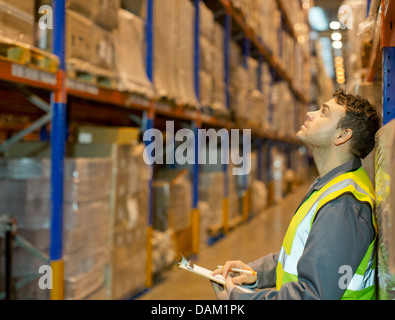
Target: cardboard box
101 12
98 134
17 20
79 41
103 46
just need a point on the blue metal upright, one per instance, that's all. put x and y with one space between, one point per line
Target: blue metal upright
197 50
246 51
58 146
148 123
260 141
195 214
149 39
388 84
227 39
245 196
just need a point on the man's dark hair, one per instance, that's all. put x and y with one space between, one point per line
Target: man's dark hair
362 118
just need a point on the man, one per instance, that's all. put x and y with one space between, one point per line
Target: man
328 251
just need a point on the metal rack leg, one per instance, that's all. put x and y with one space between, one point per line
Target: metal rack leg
10 293
388 84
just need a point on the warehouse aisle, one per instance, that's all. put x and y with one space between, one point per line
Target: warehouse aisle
258 237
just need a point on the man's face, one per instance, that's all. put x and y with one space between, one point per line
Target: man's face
319 129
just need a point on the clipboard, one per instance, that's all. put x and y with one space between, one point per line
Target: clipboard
206 273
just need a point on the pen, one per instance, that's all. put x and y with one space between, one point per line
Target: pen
240 270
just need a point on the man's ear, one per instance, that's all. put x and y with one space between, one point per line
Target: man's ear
344 137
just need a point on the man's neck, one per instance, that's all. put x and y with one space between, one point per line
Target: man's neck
327 160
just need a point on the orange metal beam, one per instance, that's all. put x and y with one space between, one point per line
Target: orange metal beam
7 73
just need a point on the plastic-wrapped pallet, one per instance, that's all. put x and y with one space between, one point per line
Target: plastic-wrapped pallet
89 47
266 92
17 20
269 23
164 44
385 202
258 197
164 250
79 31
129 255
130 61
206 21
173 203
204 223
185 53
104 49
206 55
218 71
234 197
211 191
25 182
239 91
206 88
173 51
205 73
128 206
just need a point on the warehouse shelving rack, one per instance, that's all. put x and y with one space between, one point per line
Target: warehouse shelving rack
54 93
382 57
381 70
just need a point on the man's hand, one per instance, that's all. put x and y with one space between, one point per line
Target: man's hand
237 278
223 292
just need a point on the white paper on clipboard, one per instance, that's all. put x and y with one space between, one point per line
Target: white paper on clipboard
206 273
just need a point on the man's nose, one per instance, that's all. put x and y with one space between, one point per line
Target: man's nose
309 116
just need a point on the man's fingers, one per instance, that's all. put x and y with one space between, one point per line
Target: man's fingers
238 279
229 284
217 271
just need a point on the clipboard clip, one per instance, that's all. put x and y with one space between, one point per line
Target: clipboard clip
185 262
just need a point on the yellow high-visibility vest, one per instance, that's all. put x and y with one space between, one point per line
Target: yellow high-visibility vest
357 183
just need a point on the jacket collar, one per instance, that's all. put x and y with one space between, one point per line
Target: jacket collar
348 166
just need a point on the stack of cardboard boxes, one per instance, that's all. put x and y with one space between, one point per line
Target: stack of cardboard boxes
26 191
212 71
174 51
105 212
89 39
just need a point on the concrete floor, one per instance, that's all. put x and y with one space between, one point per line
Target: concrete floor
249 241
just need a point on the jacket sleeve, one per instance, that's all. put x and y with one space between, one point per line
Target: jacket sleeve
339 236
266 270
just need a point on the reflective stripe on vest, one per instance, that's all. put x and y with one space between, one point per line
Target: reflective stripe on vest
356 183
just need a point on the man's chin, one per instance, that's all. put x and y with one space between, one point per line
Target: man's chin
299 136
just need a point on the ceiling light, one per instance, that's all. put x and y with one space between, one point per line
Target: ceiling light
334 25
317 19
337 44
336 36
339 59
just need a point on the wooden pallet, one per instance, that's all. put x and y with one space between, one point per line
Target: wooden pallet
21 53
91 78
